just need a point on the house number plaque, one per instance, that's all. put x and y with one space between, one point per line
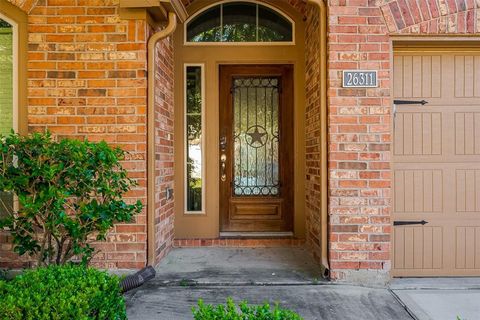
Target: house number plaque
360 79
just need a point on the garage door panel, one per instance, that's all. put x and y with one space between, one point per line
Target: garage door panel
468 190
418 133
436 164
476 89
467 133
476 127
418 247
408 133
467 247
467 75
418 191
477 249
418 76
409 248
399 248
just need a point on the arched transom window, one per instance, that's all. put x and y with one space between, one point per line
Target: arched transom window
239 22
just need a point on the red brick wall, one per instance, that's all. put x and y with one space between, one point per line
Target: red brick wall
312 131
87 79
164 173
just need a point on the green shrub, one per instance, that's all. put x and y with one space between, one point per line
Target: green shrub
69 194
61 293
244 312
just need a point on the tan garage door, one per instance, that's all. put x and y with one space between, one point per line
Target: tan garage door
436 163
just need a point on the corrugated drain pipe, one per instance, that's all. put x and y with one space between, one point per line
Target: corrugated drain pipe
323 134
152 42
138 279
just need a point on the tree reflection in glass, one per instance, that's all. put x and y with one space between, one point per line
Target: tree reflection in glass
194 138
239 22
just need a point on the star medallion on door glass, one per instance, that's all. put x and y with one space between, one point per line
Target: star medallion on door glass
256 136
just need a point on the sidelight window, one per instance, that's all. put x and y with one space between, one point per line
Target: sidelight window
194 138
6 97
244 22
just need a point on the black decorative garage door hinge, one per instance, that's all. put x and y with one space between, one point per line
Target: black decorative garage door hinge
406 223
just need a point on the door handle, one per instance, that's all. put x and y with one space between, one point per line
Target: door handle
223 168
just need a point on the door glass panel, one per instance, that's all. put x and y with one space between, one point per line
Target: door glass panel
256 136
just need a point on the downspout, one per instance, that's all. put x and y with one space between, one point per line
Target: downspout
323 134
152 42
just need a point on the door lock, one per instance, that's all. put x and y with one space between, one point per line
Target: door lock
223 143
223 167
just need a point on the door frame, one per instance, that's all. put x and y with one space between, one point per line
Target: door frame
287 147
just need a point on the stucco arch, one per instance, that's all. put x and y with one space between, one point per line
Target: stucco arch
298 5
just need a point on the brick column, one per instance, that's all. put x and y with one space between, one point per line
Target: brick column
360 136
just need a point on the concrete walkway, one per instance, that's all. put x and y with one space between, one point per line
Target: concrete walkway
288 276
439 298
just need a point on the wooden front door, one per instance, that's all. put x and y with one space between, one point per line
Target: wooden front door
256 148
436 156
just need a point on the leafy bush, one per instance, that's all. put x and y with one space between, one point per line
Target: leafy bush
244 312
62 292
69 194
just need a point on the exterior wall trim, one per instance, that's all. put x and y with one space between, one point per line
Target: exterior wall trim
323 19
139 9
152 42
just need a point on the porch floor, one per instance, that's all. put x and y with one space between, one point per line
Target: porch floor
239 266
288 276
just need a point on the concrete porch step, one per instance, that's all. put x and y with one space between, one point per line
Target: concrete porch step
238 266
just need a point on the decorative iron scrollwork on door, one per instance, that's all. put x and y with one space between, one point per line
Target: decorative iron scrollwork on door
256 136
